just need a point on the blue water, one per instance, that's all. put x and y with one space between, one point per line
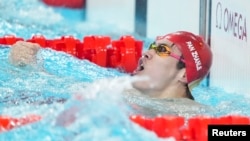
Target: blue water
54 85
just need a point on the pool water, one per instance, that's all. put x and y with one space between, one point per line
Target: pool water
59 80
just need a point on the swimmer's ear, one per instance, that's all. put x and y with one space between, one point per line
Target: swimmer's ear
182 76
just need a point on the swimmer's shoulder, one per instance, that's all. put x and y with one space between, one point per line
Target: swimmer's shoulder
186 106
184 101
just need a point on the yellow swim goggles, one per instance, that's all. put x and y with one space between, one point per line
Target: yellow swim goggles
164 50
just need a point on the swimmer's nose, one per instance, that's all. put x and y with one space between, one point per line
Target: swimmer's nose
149 54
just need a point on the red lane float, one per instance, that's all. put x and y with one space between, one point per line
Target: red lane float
9 39
39 39
94 48
192 129
77 4
7 123
128 50
123 53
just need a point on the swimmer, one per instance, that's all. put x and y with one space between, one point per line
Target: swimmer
173 65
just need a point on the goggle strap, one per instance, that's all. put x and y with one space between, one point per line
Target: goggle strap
172 44
177 57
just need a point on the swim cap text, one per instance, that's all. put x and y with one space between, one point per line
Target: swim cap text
195 55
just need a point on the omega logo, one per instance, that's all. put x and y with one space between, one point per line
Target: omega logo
231 22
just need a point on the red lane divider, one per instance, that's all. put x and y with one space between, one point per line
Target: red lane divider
94 48
9 39
75 4
7 123
130 52
40 39
123 53
192 129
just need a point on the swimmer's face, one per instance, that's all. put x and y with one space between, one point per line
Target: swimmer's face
158 72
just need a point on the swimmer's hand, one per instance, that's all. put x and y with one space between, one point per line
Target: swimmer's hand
23 53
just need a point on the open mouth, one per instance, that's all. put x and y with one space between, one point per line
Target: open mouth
140 67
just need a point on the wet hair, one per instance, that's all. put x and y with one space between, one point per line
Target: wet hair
181 65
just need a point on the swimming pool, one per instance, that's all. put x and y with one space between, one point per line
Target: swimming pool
42 89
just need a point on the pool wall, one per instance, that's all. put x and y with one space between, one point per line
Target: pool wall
231 46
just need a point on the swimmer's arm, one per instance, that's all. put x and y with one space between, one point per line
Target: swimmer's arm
67 117
23 53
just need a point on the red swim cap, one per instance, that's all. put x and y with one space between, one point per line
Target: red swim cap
196 53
